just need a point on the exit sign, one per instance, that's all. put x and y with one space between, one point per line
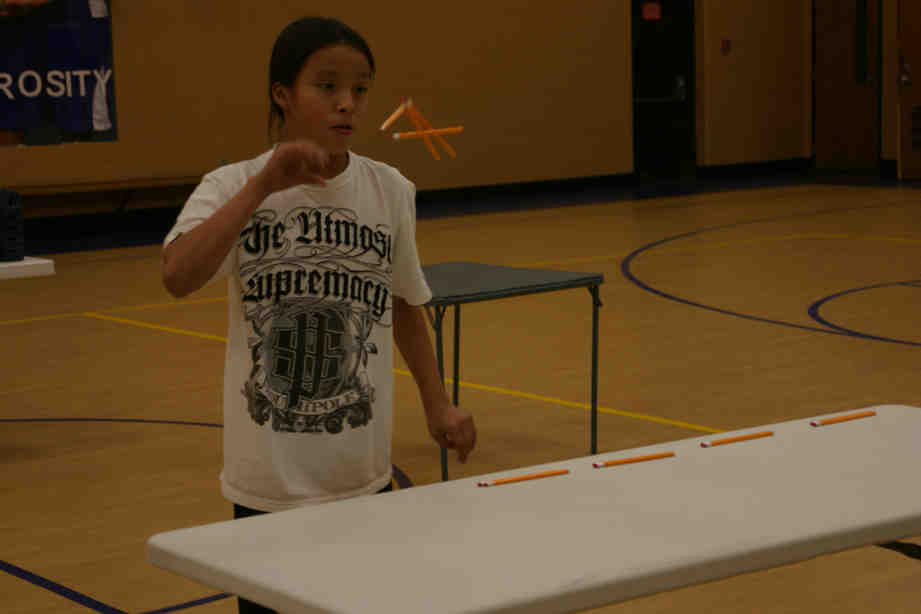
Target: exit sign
652 11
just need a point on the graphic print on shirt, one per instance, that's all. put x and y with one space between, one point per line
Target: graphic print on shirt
315 284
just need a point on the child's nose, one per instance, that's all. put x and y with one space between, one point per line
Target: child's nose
346 103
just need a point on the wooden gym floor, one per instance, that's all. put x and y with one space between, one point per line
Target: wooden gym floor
721 311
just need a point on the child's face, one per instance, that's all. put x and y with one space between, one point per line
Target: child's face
328 97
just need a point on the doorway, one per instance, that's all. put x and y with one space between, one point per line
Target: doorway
664 142
847 67
909 147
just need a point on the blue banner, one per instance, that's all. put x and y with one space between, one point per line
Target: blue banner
56 71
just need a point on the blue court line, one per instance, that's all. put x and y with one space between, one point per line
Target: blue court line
816 306
401 479
626 270
191 604
136 420
89 602
63 591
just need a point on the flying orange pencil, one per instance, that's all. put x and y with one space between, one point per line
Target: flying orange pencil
416 118
393 116
418 134
426 125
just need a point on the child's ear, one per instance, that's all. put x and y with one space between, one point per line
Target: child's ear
280 96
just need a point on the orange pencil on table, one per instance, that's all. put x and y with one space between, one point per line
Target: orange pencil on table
423 133
720 442
523 478
847 418
634 459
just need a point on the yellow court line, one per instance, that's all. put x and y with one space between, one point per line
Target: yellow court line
703 246
63 316
201 301
556 401
570 261
752 241
565 262
167 329
800 237
505 391
60 316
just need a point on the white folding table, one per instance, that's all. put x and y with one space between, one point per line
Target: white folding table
590 537
27 267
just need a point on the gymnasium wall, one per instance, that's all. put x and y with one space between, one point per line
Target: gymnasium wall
543 89
754 98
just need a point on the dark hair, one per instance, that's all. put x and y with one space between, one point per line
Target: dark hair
298 41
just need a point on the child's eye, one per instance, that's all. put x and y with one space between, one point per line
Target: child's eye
327 86
361 89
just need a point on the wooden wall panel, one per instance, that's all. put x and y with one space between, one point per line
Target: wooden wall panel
755 101
543 88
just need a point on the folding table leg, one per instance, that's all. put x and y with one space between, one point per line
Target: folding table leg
444 452
596 303
456 353
438 325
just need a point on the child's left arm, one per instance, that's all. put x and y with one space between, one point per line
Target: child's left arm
450 426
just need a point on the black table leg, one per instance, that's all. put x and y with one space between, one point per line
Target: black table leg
456 353
438 325
596 303
444 452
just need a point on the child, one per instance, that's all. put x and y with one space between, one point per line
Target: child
319 247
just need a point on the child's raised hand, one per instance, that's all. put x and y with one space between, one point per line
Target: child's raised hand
295 163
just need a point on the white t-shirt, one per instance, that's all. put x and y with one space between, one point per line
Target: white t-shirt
308 380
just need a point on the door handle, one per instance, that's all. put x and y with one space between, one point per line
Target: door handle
905 75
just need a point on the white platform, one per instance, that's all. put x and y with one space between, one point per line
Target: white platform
30 267
576 541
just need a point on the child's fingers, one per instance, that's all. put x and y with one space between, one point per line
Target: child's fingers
317 158
454 429
306 165
299 156
443 439
463 439
465 447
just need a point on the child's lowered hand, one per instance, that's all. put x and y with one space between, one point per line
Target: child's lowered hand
453 428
